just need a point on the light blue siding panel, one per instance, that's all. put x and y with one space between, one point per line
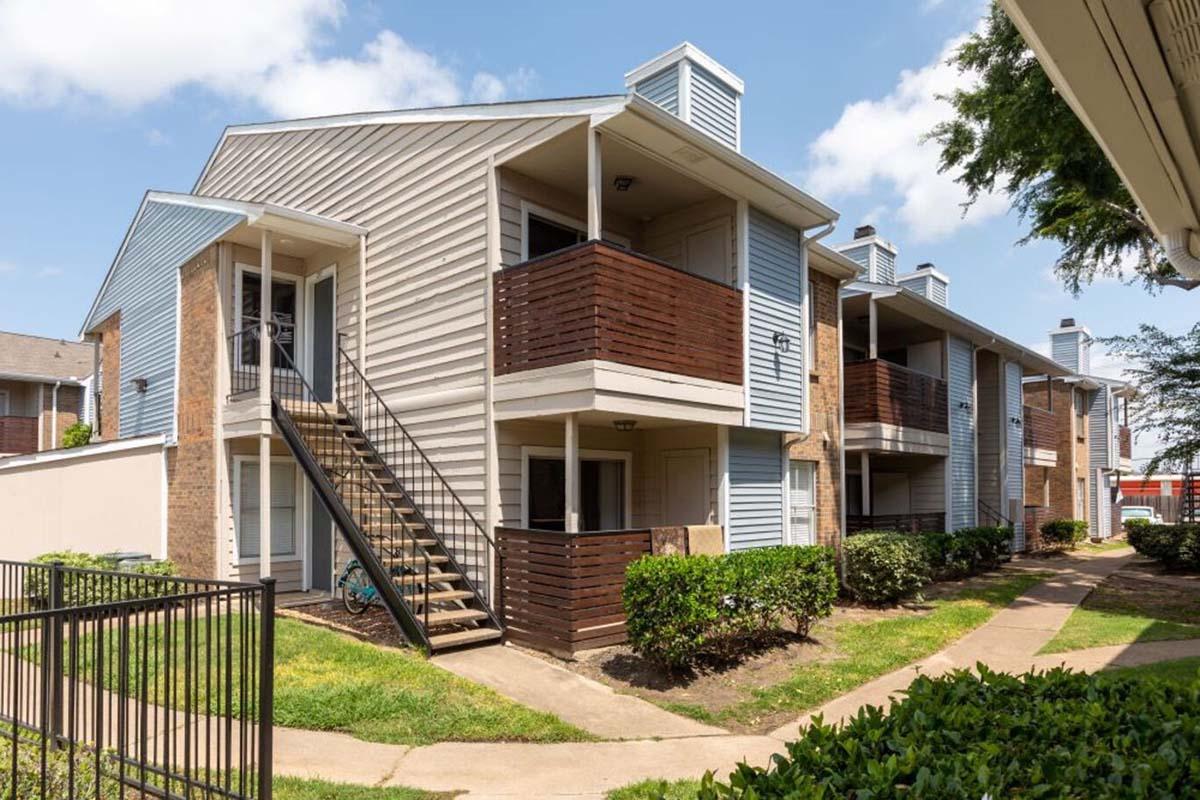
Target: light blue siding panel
960 392
918 285
1099 444
1064 348
714 106
776 378
144 288
755 489
885 266
939 292
860 255
1014 478
662 88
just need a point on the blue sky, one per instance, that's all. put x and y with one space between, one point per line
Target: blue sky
98 104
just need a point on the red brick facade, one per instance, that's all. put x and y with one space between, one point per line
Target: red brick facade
191 464
109 411
70 409
1065 491
823 444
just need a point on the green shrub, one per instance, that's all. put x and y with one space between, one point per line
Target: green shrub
1176 546
883 567
1135 522
77 435
1056 734
1064 533
83 588
683 608
65 777
967 551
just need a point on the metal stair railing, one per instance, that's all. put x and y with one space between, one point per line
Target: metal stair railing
446 517
354 497
998 519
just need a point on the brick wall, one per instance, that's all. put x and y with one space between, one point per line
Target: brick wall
1071 446
70 408
191 464
822 445
109 412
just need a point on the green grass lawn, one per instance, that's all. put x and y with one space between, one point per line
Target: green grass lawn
1100 547
656 790
866 650
301 789
327 681
1120 612
1183 671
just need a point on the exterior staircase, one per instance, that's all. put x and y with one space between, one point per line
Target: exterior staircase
423 550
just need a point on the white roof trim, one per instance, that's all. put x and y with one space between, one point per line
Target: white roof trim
564 107
875 240
255 212
674 56
1074 329
97 449
845 267
923 272
29 378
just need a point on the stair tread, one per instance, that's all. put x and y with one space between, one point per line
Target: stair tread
434 577
444 596
419 559
443 640
455 615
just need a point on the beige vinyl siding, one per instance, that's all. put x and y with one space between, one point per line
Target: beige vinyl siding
289 574
663 237
927 485
421 191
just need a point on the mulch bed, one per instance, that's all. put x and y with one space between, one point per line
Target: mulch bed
374 625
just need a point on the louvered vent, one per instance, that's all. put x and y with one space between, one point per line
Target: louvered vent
1177 24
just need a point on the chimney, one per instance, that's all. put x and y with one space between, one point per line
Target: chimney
695 87
1071 346
927 281
873 253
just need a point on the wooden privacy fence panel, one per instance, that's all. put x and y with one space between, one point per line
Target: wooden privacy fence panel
880 391
1039 432
904 523
561 592
594 301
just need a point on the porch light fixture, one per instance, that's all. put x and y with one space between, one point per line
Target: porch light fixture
623 182
140 385
625 425
782 342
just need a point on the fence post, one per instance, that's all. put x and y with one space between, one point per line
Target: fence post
266 706
52 646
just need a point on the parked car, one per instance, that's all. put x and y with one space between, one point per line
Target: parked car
1140 512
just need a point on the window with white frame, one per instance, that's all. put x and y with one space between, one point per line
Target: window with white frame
283 508
802 506
544 231
285 291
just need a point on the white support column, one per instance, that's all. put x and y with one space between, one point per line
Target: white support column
264 396
723 482
571 466
594 184
873 328
864 460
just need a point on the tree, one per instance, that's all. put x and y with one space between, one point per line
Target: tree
1012 131
77 435
1166 372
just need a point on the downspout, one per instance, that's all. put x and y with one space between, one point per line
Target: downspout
1180 254
54 416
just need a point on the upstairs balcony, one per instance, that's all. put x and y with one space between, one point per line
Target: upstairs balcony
595 301
1040 437
890 407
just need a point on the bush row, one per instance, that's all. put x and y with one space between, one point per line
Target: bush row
1177 546
884 566
1053 734
80 588
1063 533
680 609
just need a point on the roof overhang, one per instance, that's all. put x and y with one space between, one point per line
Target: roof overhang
914 305
649 127
1125 68
277 219
831 262
29 378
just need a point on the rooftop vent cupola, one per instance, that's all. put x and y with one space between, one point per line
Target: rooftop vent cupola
693 86
1071 346
927 281
873 253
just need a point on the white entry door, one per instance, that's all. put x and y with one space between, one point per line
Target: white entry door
802 506
685 486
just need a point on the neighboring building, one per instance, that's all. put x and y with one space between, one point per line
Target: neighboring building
1164 493
936 427
44 389
581 314
1092 432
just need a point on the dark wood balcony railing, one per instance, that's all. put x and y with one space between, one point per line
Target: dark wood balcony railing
880 391
904 523
18 435
596 301
1040 432
1125 441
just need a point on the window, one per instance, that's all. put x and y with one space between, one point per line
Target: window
801 502
3 402
1080 498
283 508
1080 412
812 325
547 237
284 293
603 489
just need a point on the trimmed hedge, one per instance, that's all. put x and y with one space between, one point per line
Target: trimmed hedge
883 567
1056 734
1064 533
1176 546
82 589
967 551
680 609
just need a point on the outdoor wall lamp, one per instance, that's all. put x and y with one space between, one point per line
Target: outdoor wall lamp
1015 421
622 182
964 404
782 342
140 385
625 425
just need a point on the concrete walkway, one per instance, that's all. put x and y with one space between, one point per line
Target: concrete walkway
571 697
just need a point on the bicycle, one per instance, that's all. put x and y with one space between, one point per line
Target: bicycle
358 593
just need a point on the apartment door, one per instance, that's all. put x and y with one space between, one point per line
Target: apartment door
685 487
320 546
321 339
801 503
890 494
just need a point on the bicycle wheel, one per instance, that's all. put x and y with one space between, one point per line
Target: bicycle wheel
356 590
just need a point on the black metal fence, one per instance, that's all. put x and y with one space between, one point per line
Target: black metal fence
122 685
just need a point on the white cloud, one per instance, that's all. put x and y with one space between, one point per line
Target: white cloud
267 52
156 138
876 146
49 272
